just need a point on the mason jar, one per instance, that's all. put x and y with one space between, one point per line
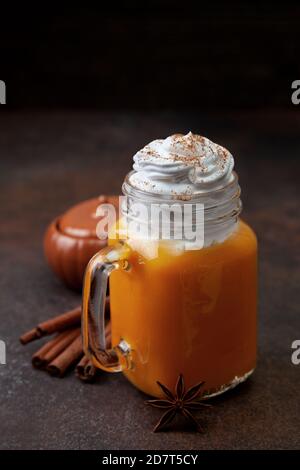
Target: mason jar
178 306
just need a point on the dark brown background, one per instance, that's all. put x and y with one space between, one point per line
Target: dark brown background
226 73
151 54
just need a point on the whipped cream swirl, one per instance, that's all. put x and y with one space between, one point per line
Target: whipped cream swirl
182 166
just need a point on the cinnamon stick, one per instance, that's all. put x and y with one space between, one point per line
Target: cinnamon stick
85 370
38 357
53 348
29 336
62 362
58 323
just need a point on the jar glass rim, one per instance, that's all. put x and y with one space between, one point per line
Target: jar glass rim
129 190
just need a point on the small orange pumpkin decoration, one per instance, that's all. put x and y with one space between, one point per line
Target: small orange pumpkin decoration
70 240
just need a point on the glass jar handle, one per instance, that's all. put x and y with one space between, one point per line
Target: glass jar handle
95 284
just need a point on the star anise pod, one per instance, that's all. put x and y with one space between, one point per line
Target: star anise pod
181 401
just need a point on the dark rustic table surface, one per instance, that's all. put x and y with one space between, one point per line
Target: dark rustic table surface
48 162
